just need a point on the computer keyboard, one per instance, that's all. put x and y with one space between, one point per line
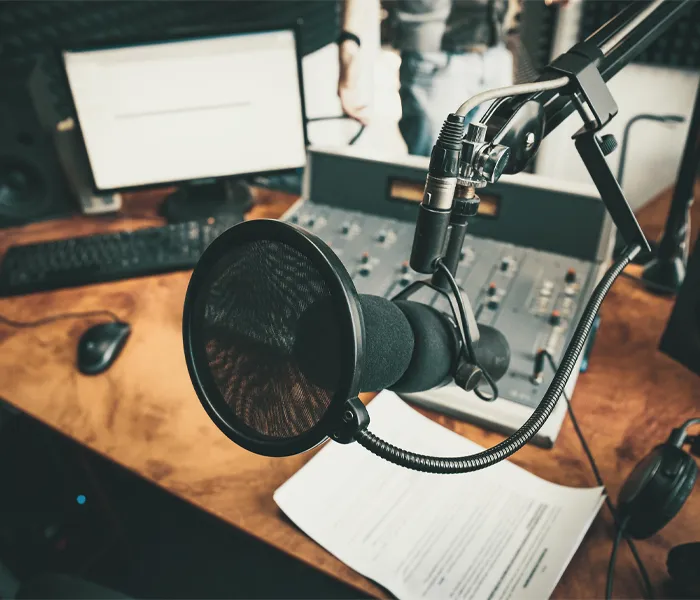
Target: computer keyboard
107 257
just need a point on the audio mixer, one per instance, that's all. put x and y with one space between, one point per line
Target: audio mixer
528 264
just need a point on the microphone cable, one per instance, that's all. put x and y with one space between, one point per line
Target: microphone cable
619 526
493 107
467 343
610 578
651 285
501 451
354 138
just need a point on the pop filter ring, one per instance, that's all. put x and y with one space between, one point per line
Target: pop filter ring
351 328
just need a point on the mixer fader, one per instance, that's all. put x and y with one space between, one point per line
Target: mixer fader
526 278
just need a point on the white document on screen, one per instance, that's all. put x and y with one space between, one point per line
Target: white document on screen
497 533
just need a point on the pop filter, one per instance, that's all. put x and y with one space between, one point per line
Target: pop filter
243 312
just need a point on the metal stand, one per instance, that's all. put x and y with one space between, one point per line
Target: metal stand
596 106
199 201
668 268
643 257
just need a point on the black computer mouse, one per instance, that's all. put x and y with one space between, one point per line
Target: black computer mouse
100 346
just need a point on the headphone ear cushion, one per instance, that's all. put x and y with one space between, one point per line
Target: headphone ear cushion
656 490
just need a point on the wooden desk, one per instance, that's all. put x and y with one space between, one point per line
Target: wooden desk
143 414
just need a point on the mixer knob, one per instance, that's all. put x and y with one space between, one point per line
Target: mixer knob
381 236
506 263
294 219
345 228
570 276
405 280
310 222
365 257
555 318
492 304
492 289
365 271
404 266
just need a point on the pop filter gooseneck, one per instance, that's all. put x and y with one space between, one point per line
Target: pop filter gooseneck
247 304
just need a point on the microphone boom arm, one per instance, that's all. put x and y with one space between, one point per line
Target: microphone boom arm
575 80
515 124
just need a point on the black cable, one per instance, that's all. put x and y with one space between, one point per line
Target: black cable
650 284
611 565
331 118
354 138
466 337
493 107
599 480
501 451
59 317
626 135
689 422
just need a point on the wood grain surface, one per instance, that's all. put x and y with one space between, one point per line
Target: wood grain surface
143 413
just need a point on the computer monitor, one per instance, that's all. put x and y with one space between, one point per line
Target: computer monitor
196 111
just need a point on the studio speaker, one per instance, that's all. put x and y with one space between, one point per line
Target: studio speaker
32 184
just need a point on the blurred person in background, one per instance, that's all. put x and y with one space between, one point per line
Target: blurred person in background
450 51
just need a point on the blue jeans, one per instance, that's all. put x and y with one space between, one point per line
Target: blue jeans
434 84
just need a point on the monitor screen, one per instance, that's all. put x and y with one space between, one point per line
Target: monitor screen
189 109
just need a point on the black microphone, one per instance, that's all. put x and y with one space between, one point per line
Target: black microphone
279 344
436 206
408 347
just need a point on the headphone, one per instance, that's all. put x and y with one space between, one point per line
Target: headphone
656 489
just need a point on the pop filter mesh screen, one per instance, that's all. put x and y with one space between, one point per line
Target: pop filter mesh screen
250 306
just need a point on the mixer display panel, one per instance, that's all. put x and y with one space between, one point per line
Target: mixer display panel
403 190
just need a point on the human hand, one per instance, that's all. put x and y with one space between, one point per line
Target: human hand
349 92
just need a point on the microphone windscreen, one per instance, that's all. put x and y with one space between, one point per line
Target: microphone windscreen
389 343
435 351
408 347
317 343
387 348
